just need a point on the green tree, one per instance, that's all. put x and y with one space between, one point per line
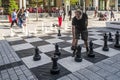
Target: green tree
73 2
12 6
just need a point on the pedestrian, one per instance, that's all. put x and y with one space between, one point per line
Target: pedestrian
64 13
111 15
14 18
27 15
79 27
70 14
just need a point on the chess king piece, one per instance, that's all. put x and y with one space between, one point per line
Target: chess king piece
105 47
36 56
55 69
117 39
78 57
57 52
91 53
110 37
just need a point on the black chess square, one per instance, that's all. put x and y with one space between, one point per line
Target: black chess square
46 37
98 57
66 38
64 54
43 72
17 42
39 43
26 52
64 44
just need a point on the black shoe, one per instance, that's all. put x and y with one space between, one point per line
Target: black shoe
87 49
73 48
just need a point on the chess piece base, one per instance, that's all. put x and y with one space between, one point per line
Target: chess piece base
59 34
110 40
55 71
117 46
91 55
105 49
78 59
58 53
37 58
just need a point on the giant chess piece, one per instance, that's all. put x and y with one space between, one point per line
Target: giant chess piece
117 39
91 52
36 56
59 32
55 69
78 57
110 37
105 47
57 52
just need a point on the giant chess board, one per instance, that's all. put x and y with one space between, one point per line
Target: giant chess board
25 49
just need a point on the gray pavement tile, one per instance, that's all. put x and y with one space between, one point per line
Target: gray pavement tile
3 71
118 74
113 77
5 75
80 76
22 77
107 67
72 77
116 65
23 67
103 73
64 78
14 77
108 61
93 68
31 78
90 75
27 73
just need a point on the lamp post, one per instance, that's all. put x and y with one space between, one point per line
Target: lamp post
84 10
36 10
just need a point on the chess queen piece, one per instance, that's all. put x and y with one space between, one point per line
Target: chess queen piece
117 39
91 52
78 57
36 56
110 37
57 51
105 47
55 69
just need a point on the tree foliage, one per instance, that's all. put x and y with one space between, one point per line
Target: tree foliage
12 6
73 2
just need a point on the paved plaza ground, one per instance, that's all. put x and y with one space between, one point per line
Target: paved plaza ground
17 51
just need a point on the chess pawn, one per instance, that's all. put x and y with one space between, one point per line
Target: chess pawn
36 56
117 39
91 53
55 69
57 52
78 57
105 47
110 37
59 32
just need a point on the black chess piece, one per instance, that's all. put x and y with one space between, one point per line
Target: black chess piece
78 57
55 69
91 52
57 52
117 39
105 47
36 56
59 32
110 37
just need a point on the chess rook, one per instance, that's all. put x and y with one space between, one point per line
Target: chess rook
105 47
91 52
117 39
110 37
36 56
57 52
78 57
55 69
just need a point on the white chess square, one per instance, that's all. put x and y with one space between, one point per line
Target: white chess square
68 49
22 46
47 48
55 35
101 42
109 53
14 39
33 40
73 66
96 33
96 36
55 40
79 41
31 63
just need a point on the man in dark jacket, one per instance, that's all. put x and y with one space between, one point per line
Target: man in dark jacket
79 27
